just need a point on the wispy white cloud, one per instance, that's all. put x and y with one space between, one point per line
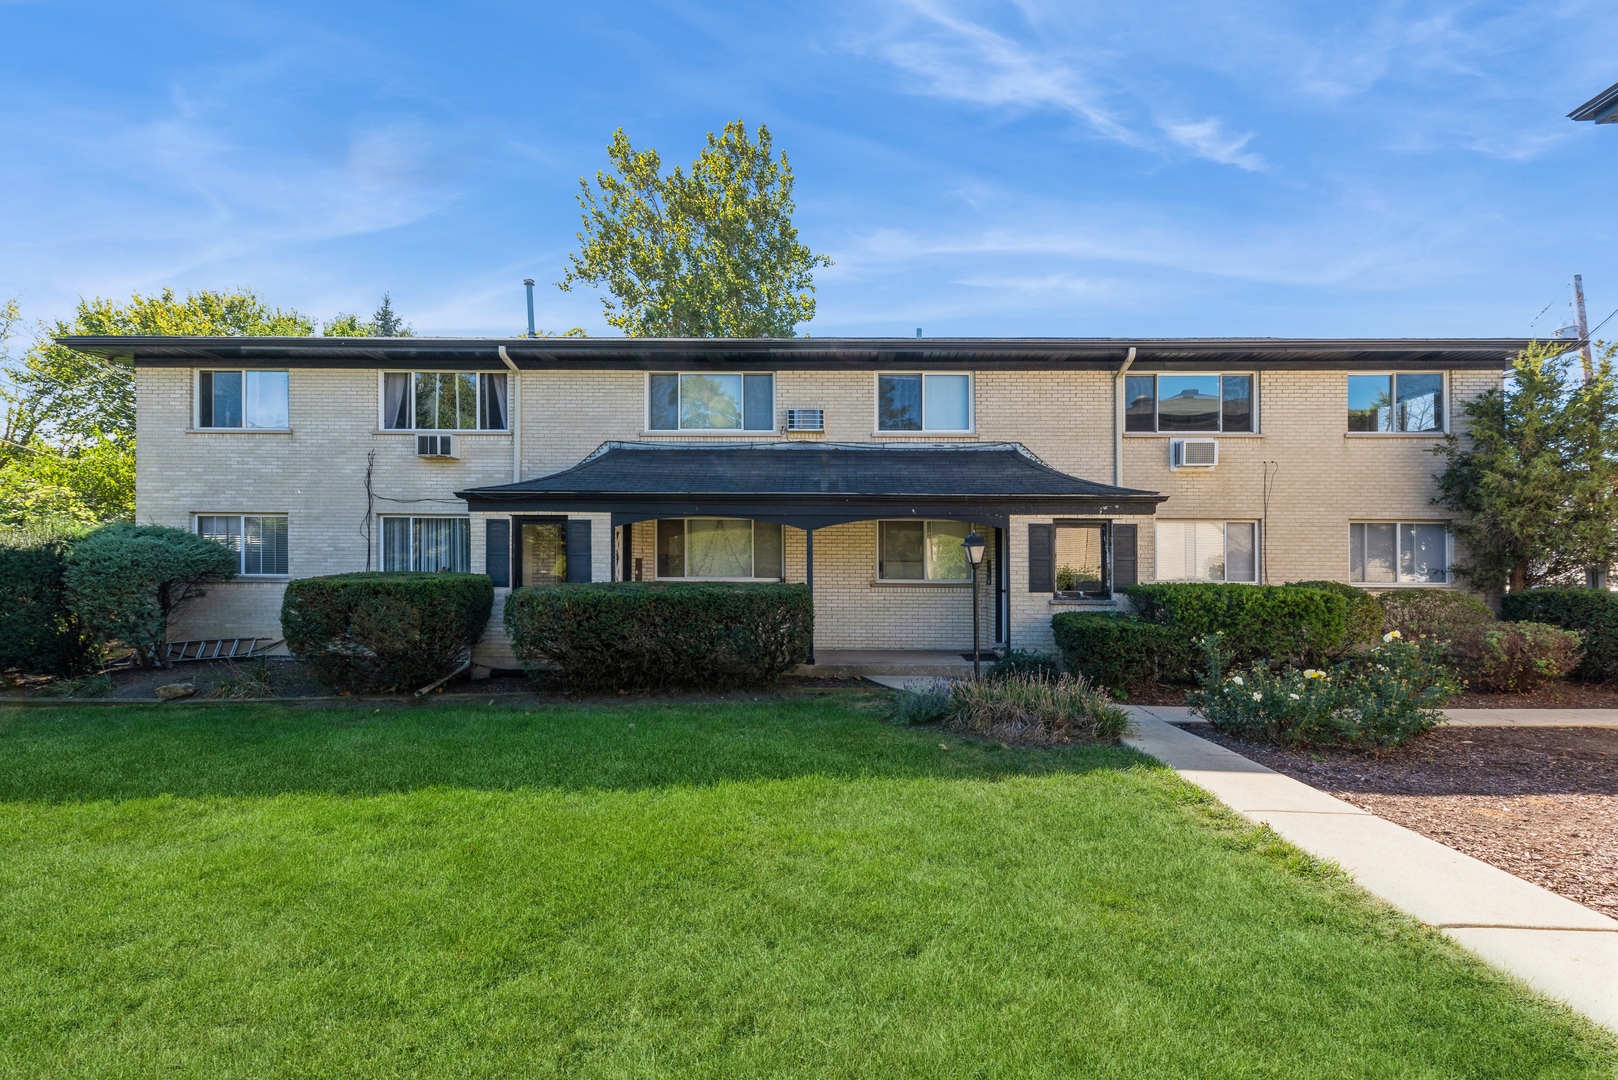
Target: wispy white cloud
1209 139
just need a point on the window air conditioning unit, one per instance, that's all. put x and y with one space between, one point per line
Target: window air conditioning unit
806 419
435 446
1193 453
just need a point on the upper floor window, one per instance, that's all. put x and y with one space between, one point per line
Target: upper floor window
924 402
1404 402
242 399
725 549
710 401
260 542
1188 403
444 401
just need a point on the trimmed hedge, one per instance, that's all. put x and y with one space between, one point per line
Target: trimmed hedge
38 634
1592 612
1365 610
650 635
1122 652
1277 623
375 632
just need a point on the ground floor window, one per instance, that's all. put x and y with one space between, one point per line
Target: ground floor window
1398 552
723 549
1207 551
259 541
1081 559
922 551
427 543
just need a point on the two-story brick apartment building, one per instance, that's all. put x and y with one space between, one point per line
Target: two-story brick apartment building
1087 463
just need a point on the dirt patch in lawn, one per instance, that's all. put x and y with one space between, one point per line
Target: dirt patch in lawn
1541 803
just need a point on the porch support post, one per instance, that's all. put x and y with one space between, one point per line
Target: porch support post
809 579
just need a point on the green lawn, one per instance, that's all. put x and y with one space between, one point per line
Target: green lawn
780 887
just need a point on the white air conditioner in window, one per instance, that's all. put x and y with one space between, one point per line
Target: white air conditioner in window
435 446
1193 453
806 419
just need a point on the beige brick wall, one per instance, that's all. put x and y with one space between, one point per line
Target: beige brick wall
1322 479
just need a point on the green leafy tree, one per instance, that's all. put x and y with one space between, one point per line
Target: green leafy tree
385 322
1535 477
69 422
125 582
709 253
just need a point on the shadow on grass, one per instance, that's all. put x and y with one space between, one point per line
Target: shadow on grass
83 754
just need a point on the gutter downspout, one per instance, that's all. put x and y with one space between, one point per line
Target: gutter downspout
1118 420
513 400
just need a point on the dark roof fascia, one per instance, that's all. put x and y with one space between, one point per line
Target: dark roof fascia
808 354
1603 108
842 507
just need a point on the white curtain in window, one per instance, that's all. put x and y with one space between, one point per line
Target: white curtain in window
1191 551
494 403
719 548
395 400
396 543
441 544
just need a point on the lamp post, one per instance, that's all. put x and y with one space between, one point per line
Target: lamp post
975 545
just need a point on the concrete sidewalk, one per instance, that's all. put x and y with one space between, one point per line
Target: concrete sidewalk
1605 718
1560 948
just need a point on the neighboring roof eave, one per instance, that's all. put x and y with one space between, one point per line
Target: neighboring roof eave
1603 108
653 354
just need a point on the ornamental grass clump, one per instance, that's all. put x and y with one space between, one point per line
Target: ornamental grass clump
1382 698
1029 708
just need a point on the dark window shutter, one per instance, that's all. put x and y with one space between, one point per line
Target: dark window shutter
1040 541
497 551
578 549
1124 546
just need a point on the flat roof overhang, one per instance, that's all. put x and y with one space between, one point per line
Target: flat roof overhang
806 353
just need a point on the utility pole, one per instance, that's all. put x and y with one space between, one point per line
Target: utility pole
1584 328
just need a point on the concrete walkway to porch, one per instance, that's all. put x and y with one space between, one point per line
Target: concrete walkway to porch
1560 948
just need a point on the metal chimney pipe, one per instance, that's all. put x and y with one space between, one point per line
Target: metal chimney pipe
528 282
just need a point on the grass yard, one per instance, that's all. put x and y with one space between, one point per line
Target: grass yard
781 887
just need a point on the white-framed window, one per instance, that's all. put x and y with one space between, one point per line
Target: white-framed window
710 401
1207 551
719 549
1211 403
1398 553
259 540
427 543
242 399
920 401
1400 402
444 401
908 550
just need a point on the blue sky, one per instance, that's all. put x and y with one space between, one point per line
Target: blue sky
974 168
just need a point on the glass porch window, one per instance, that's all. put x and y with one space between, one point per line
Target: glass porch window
1080 559
719 549
922 551
543 547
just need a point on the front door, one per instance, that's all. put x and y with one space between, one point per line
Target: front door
541 551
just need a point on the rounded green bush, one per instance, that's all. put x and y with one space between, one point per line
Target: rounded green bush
1591 612
381 632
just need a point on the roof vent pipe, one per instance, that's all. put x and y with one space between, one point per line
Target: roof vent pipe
918 331
528 283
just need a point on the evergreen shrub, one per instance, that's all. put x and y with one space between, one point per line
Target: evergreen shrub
39 635
125 582
383 632
1277 623
633 635
1365 611
1121 652
1592 612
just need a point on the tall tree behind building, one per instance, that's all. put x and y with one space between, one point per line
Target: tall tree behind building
712 253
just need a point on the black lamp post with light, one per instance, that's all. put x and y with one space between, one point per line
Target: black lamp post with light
975 545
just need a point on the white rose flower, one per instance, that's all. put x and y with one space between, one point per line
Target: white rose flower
1237 679
1294 697
1257 696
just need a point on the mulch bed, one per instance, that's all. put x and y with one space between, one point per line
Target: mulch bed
1540 803
1554 695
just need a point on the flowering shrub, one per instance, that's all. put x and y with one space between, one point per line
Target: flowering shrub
1382 698
1513 658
